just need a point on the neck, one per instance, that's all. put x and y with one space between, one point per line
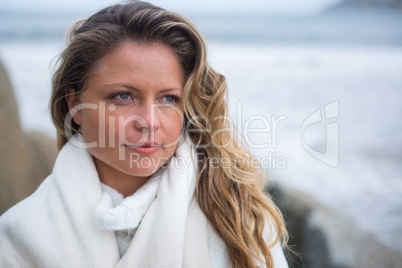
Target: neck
125 187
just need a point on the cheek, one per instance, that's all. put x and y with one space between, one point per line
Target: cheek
90 124
171 121
98 125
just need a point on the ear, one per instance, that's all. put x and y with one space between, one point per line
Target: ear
72 102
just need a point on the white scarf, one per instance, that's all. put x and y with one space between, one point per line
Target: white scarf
123 215
55 226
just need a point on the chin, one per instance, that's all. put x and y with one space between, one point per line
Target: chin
138 171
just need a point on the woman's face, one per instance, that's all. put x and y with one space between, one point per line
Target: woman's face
132 114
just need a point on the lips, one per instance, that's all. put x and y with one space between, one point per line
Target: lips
145 148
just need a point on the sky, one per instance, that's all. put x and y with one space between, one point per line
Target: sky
89 6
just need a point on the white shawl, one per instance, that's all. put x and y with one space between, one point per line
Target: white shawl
55 226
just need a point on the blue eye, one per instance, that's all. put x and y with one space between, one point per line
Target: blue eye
171 98
123 96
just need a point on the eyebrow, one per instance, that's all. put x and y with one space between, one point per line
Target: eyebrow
135 89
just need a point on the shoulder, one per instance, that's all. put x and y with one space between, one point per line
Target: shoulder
12 222
19 228
219 255
278 256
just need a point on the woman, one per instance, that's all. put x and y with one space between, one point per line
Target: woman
148 174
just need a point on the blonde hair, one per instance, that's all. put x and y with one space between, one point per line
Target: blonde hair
231 198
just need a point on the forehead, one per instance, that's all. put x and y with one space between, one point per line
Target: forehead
136 54
146 65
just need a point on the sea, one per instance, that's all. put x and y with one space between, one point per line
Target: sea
318 98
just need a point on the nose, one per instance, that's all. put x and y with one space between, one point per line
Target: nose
149 113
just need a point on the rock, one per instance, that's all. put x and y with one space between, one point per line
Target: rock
326 238
43 152
15 163
307 244
25 159
369 4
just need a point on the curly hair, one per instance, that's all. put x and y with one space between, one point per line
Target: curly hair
231 197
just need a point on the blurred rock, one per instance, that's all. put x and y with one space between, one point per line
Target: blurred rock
369 4
15 163
25 159
326 238
43 152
